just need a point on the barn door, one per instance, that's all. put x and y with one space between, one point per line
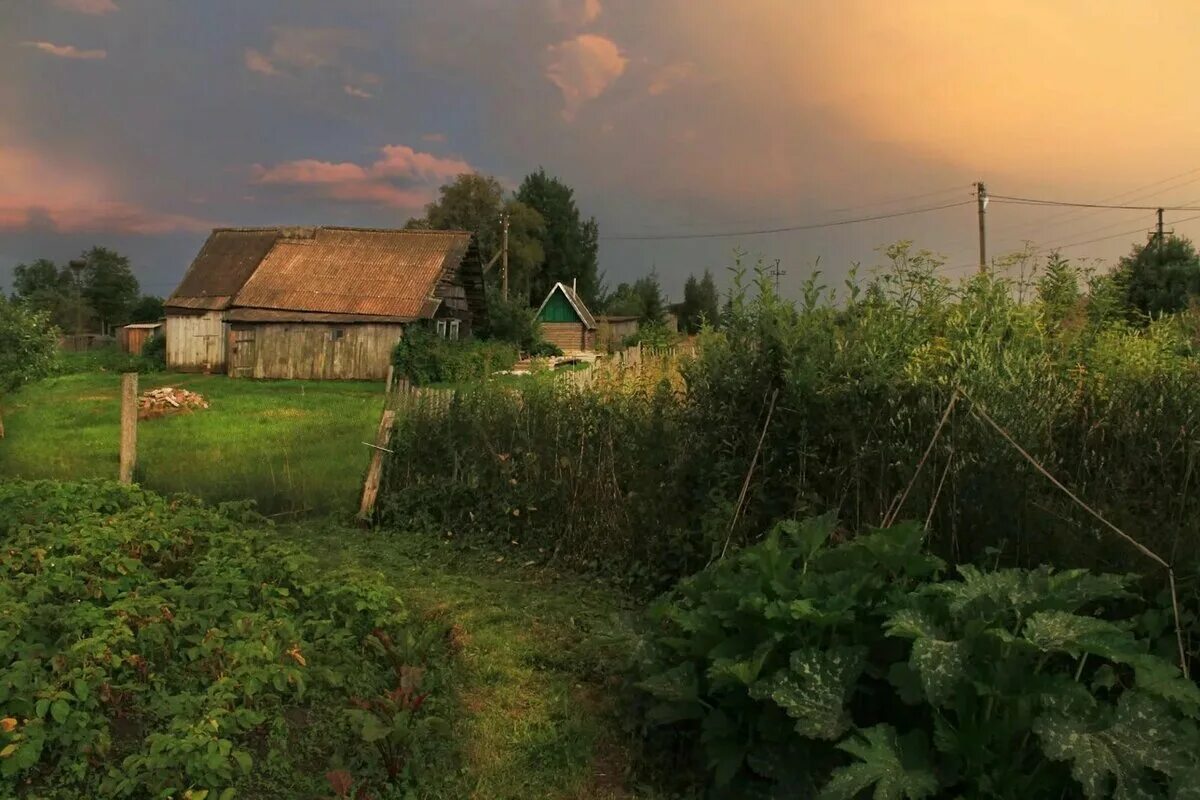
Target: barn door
241 355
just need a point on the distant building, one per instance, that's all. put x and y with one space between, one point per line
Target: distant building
566 321
612 330
319 303
132 338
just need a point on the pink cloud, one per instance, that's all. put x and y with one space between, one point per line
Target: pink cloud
354 91
402 177
669 76
583 68
93 7
434 137
67 51
257 62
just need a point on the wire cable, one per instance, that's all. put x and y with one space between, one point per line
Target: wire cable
783 229
1031 201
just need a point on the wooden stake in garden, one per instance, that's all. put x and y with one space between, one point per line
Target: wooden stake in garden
129 413
375 471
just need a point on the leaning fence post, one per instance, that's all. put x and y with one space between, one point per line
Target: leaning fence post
387 390
129 414
375 471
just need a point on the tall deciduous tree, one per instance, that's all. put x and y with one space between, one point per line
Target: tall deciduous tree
474 202
109 286
1158 283
148 308
570 242
642 299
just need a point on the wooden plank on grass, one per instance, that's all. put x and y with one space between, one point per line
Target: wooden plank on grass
129 412
375 471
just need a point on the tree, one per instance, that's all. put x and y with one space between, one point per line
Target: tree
109 286
148 308
28 346
1058 291
474 202
44 286
570 243
701 304
1161 283
512 320
642 299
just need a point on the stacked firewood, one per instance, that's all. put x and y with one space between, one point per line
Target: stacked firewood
166 400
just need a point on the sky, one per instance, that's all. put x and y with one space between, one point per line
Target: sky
142 124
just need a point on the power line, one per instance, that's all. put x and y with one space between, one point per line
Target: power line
787 228
1030 201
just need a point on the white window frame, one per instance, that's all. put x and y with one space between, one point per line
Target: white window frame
453 332
441 328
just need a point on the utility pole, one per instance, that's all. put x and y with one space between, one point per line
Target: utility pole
777 272
1160 236
981 202
77 266
504 254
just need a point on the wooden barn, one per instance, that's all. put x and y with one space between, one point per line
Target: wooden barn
319 303
133 337
566 321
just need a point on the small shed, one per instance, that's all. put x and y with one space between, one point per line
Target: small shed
320 303
566 320
612 330
132 338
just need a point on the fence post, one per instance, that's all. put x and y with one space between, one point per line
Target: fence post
129 415
387 390
375 471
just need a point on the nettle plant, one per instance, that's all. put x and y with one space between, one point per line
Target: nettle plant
810 667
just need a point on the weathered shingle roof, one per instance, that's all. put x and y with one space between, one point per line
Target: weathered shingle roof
222 266
576 303
324 270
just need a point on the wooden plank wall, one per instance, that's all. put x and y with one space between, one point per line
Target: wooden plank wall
567 335
309 351
196 341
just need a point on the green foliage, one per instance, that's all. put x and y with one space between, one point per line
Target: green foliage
148 308
28 345
46 287
156 647
109 286
425 358
154 351
474 202
512 321
654 334
700 304
786 658
569 243
642 299
543 348
1161 282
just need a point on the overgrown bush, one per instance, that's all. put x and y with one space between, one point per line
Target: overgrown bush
845 395
512 321
154 351
543 348
425 358
804 667
28 345
159 648
112 359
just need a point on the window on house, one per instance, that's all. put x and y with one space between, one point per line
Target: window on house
453 330
337 334
441 328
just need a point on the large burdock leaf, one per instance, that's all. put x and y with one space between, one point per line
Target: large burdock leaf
1119 751
940 663
1060 631
814 689
897 767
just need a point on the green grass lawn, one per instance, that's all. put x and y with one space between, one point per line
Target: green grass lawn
538 682
292 446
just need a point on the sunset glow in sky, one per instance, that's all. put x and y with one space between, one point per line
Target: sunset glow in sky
140 124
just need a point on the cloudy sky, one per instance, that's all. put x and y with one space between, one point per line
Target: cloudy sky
140 124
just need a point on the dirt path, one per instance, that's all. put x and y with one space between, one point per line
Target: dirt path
539 656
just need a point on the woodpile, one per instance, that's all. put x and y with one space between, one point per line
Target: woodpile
167 400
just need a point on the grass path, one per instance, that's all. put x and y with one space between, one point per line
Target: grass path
538 690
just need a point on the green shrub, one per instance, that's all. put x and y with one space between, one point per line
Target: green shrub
425 358
801 667
543 348
154 351
512 321
153 647
112 359
28 345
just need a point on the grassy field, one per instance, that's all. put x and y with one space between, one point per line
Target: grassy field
537 698
289 445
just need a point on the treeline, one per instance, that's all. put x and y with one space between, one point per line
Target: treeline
95 293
